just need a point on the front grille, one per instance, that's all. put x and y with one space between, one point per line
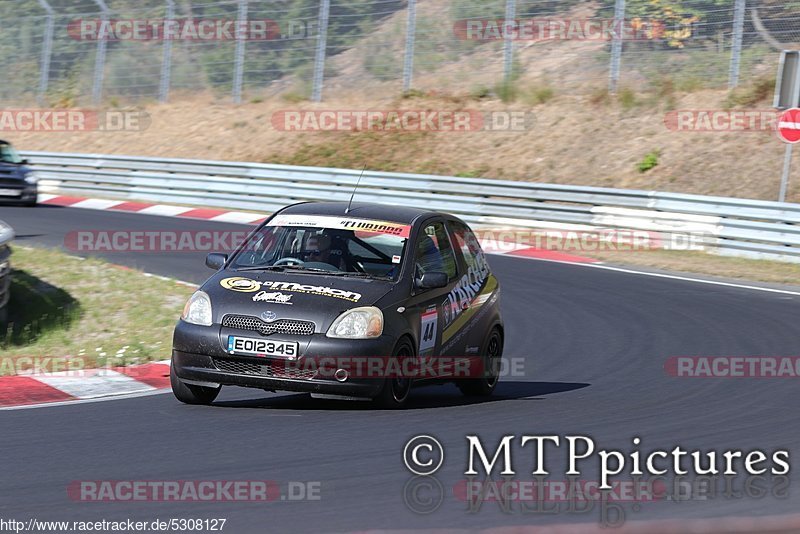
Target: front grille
268 368
282 326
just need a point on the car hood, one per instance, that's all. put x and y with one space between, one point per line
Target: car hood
279 295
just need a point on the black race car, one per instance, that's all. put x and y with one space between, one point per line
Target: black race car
18 183
355 301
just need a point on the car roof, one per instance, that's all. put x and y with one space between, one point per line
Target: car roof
361 210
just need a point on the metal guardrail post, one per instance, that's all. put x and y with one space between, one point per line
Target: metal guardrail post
787 169
411 31
166 58
736 48
508 41
322 44
47 51
616 46
241 39
100 57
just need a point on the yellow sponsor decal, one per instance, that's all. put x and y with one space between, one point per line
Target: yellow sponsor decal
243 285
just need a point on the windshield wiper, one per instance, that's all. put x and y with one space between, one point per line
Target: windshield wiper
361 275
263 268
309 269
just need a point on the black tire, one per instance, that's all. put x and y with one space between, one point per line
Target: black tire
30 203
396 390
491 353
190 394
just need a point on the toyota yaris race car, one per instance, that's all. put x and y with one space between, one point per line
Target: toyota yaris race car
359 301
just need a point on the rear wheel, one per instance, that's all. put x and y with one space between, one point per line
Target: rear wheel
190 394
396 389
491 355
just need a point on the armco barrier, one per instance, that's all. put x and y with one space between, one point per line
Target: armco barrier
752 228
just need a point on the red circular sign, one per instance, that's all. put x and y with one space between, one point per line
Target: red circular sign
789 126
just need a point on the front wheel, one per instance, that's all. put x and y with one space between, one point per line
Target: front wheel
396 390
491 358
190 394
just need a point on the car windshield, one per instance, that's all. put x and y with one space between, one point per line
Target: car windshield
331 245
8 154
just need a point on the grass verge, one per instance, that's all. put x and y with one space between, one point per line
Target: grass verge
746 269
67 307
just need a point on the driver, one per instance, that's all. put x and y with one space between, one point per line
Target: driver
318 248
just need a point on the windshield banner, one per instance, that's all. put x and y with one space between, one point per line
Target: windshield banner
343 223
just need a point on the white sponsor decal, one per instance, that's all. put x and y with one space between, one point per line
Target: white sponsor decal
247 285
342 223
278 298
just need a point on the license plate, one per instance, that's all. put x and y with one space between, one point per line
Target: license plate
262 347
10 192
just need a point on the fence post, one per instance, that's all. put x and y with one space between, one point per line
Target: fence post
616 46
100 57
411 31
508 44
166 59
241 36
47 51
736 48
322 43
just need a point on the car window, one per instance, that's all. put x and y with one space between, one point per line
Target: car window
434 252
344 246
8 154
470 248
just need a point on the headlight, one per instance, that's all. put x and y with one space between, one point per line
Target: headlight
358 323
31 178
198 309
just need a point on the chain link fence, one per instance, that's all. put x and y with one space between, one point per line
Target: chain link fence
67 53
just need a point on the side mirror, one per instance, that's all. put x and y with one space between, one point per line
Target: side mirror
24 162
432 280
216 261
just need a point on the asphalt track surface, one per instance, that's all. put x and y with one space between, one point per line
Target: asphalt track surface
593 343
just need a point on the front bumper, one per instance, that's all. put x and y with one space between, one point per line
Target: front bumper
18 192
199 358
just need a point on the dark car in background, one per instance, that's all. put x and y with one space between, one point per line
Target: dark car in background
18 182
358 301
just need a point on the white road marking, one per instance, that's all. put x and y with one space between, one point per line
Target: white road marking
96 204
87 401
93 383
238 217
163 209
